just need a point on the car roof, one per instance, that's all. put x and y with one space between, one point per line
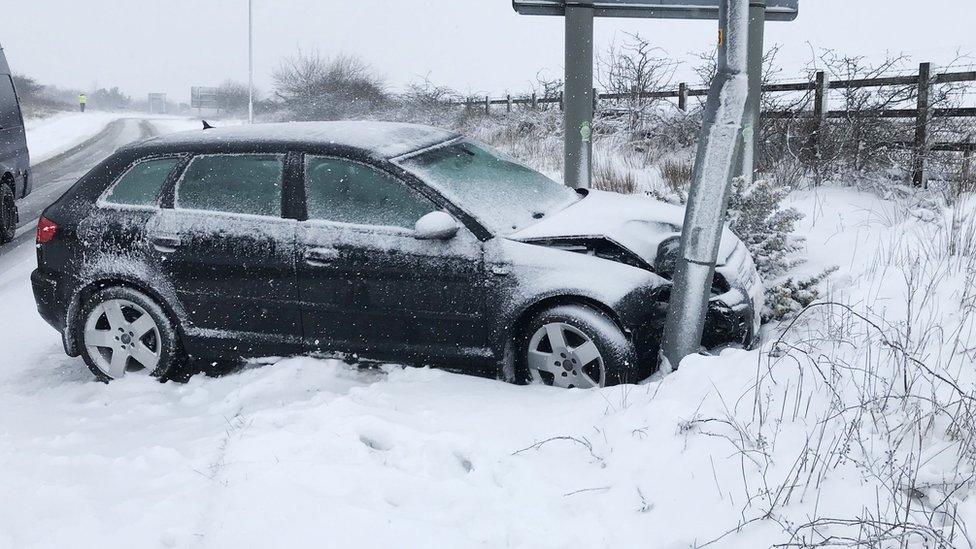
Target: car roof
379 139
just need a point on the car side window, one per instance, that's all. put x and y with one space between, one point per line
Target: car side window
235 183
349 192
140 184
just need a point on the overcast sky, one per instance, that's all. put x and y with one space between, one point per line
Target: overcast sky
477 46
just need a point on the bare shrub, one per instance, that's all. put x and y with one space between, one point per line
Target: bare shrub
313 87
608 177
34 100
677 175
883 388
547 90
232 97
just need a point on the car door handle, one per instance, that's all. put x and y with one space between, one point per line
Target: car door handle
320 257
166 244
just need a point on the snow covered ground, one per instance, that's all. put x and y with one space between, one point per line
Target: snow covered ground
52 135
742 449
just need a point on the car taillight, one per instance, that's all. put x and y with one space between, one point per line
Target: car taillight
46 229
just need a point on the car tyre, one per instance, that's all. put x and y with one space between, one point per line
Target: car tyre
8 214
122 331
575 346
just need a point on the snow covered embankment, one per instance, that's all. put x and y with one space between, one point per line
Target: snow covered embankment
838 432
50 136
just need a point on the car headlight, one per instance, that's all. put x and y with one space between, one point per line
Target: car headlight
667 257
666 262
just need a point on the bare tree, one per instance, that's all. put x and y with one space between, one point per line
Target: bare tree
635 67
232 96
424 93
546 89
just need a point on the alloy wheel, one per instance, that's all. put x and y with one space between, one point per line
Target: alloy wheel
121 337
561 355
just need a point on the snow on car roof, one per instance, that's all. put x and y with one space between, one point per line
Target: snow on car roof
383 139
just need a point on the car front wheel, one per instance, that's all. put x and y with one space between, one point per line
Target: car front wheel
574 346
124 332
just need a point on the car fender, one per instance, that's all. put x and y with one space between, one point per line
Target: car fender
118 269
537 275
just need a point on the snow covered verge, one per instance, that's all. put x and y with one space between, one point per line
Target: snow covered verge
852 427
50 136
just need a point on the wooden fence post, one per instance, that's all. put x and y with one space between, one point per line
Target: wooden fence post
562 106
535 101
596 101
487 105
683 96
921 124
820 107
508 103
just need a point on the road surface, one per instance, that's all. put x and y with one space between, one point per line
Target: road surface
54 176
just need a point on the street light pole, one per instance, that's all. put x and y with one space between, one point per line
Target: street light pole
250 61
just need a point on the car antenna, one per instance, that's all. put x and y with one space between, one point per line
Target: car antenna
207 126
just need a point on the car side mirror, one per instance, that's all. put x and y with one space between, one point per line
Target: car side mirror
436 226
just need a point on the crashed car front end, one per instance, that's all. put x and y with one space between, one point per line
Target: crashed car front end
734 308
645 234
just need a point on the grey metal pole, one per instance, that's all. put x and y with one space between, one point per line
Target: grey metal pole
578 97
250 61
718 151
750 124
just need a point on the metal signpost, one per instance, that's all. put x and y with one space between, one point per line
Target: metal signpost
726 147
578 102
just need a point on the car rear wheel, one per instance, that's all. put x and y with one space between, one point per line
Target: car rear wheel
124 332
574 346
8 214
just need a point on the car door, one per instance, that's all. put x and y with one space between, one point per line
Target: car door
369 285
230 255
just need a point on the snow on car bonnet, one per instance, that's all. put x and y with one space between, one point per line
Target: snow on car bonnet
640 224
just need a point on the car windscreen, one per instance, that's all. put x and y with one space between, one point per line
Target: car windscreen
498 191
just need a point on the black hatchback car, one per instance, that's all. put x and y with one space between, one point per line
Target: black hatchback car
364 241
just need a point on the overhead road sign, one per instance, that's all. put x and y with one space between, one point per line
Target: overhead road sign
776 10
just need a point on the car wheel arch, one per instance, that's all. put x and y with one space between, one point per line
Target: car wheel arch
89 288
548 302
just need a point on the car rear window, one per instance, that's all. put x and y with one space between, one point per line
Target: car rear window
140 184
235 183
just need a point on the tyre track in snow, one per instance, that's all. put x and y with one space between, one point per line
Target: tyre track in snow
52 177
